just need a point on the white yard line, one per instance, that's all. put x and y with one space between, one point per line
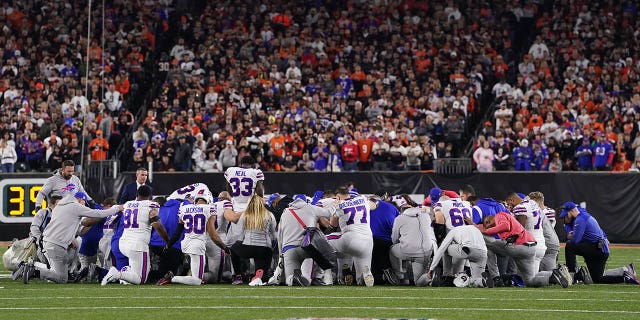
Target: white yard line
269 297
319 307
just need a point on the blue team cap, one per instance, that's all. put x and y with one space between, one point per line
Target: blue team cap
354 192
81 195
272 198
521 195
566 207
300 196
435 194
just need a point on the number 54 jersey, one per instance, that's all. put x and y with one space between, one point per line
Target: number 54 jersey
137 229
243 182
195 217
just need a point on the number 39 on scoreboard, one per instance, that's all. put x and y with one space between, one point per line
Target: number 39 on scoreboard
18 199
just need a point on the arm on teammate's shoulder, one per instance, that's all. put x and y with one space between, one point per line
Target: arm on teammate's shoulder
157 225
95 213
334 221
176 234
439 217
88 222
521 218
211 230
231 215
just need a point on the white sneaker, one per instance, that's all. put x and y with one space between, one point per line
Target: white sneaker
256 282
110 276
368 277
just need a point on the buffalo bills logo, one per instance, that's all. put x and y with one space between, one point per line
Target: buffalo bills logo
68 188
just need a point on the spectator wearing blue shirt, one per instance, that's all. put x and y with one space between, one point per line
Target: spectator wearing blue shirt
522 156
584 155
382 216
602 154
587 239
320 155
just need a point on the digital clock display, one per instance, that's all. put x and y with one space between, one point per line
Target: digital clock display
18 199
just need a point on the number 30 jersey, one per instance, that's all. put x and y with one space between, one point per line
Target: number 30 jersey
195 217
454 211
243 182
135 219
353 215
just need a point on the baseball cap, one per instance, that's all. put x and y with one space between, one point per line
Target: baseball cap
272 198
434 193
98 131
566 207
81 195
300 196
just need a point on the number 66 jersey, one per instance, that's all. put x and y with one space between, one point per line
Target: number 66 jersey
137 229
195 217
243 182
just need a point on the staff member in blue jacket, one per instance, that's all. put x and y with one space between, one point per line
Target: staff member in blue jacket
587 239
383 214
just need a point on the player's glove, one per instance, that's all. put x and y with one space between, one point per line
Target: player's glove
227 251
512 239
165 249
38 208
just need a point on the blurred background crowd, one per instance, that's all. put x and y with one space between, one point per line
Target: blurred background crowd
320 85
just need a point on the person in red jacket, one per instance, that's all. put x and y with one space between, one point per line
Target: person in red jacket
349 153
516 242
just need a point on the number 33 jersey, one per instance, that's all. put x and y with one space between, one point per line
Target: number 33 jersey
243 182
135 219
454 211
195 217
353 215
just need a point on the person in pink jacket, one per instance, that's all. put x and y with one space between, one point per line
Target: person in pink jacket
483 157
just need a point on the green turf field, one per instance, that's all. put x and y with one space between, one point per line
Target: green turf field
40 300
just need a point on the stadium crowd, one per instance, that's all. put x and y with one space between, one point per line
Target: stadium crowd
50 106
385 84
574 104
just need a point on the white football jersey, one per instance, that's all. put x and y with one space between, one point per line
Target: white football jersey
194 218
353 215
243 182
193 190
534 224
135 219
454 211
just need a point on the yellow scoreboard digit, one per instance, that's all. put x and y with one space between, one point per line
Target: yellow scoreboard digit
18 199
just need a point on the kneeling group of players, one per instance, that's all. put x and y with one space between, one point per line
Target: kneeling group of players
192 237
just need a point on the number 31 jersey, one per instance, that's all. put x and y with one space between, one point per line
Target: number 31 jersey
243 182
195 217
454 211
135 219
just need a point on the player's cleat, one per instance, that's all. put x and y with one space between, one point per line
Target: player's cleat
582 275
257 279
390 277
299 279
347 274
631 268
79 276
368 277
18 273
565 272
517 281
28 272
111 276
560 277
631 278
237 280
166 279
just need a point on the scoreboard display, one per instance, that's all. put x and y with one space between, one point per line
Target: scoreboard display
18 199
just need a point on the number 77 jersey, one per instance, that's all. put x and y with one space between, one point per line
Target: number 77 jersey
454 211
243 182
353 215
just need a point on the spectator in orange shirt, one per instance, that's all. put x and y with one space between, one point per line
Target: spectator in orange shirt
365 144
277 145
622 165
99 147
